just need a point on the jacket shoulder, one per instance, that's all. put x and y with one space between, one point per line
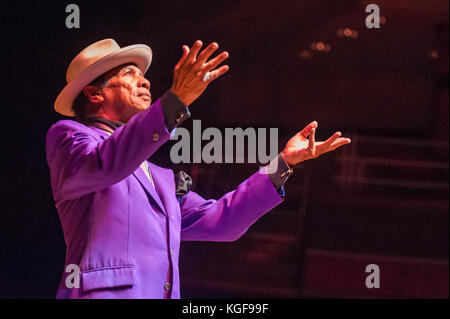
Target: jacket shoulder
65 128
62 132
68 125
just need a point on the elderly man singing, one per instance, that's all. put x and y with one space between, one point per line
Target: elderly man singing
123 217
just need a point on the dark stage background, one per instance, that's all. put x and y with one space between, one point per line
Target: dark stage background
382 200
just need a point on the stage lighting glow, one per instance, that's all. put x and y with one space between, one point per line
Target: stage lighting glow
305 54
348 32
320 46
434 54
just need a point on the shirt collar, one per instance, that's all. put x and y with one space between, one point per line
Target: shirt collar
94 121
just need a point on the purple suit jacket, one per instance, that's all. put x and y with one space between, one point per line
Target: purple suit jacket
123 233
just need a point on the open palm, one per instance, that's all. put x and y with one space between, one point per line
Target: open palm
303 146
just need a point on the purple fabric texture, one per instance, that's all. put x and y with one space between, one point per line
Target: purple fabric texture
122 232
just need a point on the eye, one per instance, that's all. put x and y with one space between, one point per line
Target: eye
128 72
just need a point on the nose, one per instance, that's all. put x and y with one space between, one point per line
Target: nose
143 82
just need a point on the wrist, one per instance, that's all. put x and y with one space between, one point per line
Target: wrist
286 160
180 98
175 112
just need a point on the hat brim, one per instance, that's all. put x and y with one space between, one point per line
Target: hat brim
140 54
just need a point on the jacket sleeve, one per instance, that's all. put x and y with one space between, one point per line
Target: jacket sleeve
228 218
80 162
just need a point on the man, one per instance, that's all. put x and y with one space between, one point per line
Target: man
122 216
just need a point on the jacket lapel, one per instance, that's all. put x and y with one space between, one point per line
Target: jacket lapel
147 185
142 177
164 184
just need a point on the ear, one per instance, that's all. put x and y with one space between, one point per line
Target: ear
93 94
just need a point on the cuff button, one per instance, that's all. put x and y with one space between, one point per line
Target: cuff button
179 117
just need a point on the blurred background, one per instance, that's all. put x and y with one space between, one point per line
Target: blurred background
382 200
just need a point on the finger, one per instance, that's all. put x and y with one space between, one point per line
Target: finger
183 57
205 54
213 75
329 141
312 142
307 130
214 62
340 142
336 144
194 51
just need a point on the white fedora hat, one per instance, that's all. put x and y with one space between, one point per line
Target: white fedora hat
95 60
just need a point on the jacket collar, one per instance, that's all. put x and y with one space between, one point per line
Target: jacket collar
103 124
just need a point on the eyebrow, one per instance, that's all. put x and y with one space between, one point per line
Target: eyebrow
133 68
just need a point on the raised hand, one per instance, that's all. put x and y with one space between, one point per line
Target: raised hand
192 74
303 146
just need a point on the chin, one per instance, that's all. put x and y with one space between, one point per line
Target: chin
140 108
144 107
135 110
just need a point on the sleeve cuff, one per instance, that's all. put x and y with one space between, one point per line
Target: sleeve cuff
279 171
174 111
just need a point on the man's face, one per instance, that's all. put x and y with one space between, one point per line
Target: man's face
126 92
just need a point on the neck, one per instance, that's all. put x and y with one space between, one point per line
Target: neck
102 114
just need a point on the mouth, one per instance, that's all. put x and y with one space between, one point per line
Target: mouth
145 96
